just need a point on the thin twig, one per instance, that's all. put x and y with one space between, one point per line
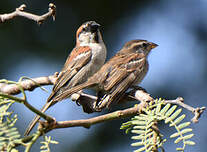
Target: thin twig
29 106
196 111
29 85
145 97
87 123
20 12
33 140
87 100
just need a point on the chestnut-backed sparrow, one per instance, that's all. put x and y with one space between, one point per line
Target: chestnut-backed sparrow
126 69
85 59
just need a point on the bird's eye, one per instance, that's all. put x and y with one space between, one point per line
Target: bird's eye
137 47
144 44
84 29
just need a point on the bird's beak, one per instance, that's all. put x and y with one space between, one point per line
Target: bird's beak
94 27
153 45
94 24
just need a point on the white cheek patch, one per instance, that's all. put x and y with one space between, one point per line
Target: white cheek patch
82 55
84 38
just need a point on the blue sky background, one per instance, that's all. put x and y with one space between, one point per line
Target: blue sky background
177 66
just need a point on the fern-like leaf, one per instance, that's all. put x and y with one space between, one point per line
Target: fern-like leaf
45 147
147 137
8 133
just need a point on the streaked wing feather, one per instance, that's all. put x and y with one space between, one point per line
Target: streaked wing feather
74 66
129 76
115 77
75 52
122 87
122 70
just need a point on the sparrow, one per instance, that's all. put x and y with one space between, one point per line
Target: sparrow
126 69
86 58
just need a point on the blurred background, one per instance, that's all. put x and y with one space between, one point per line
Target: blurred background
177 66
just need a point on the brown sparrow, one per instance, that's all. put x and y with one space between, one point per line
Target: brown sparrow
85 59
126 69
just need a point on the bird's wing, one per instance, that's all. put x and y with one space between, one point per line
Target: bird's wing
127 64
78 58
122 78
98 79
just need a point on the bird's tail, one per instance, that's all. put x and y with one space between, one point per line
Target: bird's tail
36 118
61 96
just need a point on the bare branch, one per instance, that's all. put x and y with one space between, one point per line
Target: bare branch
196 111
86 123
27 84
29 106
103 118
87 101
144 98
20 12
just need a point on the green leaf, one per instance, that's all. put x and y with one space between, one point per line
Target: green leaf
183 138
173 116
163 111
189 142
158 108
127 130
175 135
137 143
142 126
138 122
178 140
149 140
141 117
150 123
54 142
149 134
138 137
139 127
180 149
183 125
140 149
1 139
43 146
138 131
186 130
188 136
14 150
170 111
178 120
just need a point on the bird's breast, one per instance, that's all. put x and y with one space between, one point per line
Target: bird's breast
98 55
142 73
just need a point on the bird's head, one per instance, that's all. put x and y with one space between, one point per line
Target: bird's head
139 46
88 32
